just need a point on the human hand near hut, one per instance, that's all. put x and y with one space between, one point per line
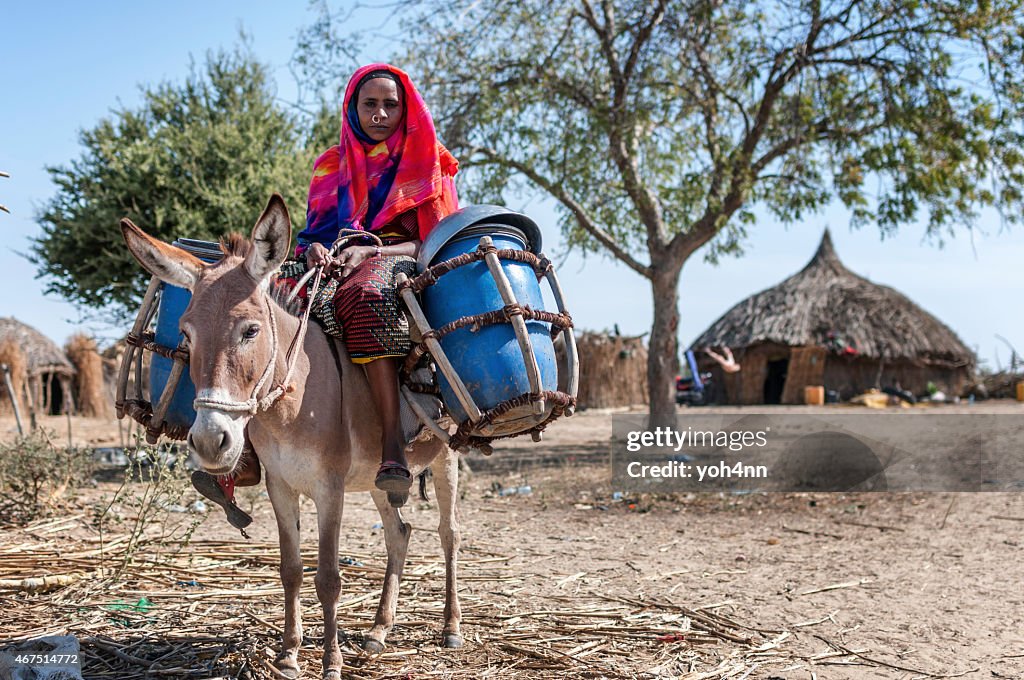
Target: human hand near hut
727 362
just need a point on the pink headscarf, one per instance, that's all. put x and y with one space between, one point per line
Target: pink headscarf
345 176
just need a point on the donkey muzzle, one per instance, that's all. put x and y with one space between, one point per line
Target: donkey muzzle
216 440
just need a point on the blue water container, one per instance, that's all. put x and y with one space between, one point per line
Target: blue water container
173 303
489 360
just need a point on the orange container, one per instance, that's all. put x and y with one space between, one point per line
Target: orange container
814 395
1020 391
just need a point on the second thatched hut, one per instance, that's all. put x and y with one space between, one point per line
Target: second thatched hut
827 326
49 374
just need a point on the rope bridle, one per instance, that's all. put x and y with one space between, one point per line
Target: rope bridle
254 404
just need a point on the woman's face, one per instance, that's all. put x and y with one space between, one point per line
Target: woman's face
380 106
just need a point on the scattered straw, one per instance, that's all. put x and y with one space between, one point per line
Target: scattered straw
214 608
836 586
92 396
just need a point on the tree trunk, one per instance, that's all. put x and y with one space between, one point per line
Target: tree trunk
663 354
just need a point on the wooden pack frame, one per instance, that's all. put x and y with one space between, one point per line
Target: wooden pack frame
476 431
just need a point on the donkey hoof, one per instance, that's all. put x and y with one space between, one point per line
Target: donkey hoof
397 499
452 641
373 646
332 674
287 669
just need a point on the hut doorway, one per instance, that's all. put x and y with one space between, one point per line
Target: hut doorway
54 397
775 381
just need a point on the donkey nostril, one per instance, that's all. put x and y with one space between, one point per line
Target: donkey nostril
191 442
225 441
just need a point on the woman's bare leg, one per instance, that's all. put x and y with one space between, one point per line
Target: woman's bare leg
383 377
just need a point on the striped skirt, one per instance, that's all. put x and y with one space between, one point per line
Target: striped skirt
364 310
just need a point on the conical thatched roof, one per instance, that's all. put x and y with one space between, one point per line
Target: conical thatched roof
42 354
825 297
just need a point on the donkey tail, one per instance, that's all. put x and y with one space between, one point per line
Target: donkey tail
423 483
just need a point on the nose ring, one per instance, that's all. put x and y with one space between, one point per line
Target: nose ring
375 119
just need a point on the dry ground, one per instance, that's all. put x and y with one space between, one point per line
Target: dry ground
569 581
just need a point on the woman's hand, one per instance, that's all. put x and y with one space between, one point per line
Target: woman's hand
318 256
350 258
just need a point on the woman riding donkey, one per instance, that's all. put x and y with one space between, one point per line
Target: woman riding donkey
391 178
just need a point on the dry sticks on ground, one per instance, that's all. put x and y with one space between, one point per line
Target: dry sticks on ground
214 609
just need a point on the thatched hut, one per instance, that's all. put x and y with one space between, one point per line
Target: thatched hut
613 370
827 326
48 371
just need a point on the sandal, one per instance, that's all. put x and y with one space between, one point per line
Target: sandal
396 479
207 485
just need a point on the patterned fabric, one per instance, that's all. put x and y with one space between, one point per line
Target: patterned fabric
364 310
412 166
367 306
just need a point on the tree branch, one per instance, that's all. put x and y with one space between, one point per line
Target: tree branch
740 163
579 212
604 35
643 36
619 138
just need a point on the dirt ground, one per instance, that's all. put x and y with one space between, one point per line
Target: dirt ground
847 586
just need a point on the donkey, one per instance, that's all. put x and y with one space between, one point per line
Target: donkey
321 440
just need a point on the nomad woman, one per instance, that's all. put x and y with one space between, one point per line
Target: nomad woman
389 177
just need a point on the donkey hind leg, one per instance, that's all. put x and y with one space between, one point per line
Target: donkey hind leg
446 488
328 581
286 509
396 540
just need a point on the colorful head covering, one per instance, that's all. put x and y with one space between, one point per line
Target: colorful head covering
364 184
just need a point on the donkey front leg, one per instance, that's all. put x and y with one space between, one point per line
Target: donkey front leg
396 540
446 487
328 581
286 509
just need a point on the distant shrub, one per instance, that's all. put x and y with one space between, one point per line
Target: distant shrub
35 475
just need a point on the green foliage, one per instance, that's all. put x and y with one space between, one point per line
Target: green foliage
658 125
196 159
153 509
35 475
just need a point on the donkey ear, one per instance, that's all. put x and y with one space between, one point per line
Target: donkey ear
271 238
167 263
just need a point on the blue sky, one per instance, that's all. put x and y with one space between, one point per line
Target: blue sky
65 65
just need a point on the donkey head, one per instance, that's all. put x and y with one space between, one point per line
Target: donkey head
228 326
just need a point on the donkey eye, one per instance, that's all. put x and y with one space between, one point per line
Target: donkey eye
251 332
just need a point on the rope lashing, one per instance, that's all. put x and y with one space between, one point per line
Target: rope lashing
147 341
463 435
429 277
559 322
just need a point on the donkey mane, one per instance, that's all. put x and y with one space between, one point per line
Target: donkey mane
279 293
235 244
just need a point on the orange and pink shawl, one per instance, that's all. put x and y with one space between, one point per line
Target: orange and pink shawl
346 176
